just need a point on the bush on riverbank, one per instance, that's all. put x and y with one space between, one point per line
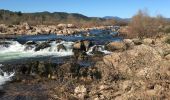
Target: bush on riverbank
143 25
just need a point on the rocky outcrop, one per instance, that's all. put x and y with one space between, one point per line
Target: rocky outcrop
116 46
42 46
80 48
141 72
61 47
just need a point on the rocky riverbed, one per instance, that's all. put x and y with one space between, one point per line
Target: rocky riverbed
134 69
60 29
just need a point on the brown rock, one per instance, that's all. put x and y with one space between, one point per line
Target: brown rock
120 46
148 41
167 57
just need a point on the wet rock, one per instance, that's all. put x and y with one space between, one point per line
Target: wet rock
28 47
61 47
5 44
96 50
68 70
45 69
79 46
37 68
113 46
97 53
59 40
30 43
87 44
42 46
50 40
83 45
79 49
82 56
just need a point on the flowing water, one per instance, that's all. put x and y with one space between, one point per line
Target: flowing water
16 51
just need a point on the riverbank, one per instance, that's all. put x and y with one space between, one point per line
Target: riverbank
60 29
136 69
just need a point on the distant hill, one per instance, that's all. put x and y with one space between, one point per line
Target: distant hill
48 18
9 17
117 18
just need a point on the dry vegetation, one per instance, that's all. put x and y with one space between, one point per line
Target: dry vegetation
47 18
143 25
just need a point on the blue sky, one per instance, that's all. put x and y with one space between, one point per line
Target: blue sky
98 8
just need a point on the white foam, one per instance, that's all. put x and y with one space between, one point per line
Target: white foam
5 77
101 49
17 51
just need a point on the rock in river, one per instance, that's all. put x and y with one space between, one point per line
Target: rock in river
42 46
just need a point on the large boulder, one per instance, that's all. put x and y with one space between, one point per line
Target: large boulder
129 43
61 47
140 72
79 46
148 41
30 43
143 61
36 69
113 46
87 44
42 46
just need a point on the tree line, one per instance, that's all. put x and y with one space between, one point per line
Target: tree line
46 18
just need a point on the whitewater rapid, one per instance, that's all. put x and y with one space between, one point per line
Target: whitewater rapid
17 51
4 76
14 50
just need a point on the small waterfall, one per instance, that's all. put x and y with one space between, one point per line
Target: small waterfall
4 77
100 48
15 50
